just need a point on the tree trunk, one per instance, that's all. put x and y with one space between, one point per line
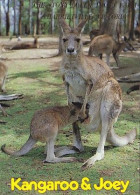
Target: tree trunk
34 33
139 11
38 30
101 12
7 24
20 18
15 17
52 18
0 20
62 12
30 16
111 18
37 22
70 13
131 9
74 12
7 19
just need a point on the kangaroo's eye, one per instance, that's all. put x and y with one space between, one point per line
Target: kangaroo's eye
64 39
77 39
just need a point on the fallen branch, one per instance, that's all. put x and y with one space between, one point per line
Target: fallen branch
133 78
133 88
4 105
3 122
127 81
10 97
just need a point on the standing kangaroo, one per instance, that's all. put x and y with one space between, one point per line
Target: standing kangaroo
104 99
26 45
44 128
106 44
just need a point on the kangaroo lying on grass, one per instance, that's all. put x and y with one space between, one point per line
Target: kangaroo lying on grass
103 93
44 128
26 45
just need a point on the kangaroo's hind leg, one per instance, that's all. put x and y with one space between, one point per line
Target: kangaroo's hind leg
77 143
110 109
106 126
51 158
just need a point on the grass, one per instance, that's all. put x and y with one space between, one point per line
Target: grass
42 86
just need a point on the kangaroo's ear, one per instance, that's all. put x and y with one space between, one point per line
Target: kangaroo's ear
80 26
64 26
77 104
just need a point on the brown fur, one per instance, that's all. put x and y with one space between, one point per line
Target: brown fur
3 73
44 127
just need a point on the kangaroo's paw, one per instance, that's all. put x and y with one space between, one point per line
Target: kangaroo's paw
90 162
66 150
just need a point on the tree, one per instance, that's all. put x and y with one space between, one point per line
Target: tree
6 7
62 12
52 17
139 10
111 18
15 17
0 19
30 16
101 12
40 14
21 3
131 16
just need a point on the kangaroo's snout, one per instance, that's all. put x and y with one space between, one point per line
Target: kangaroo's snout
70 49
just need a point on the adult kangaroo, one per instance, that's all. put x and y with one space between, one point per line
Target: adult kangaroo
106 44
104 99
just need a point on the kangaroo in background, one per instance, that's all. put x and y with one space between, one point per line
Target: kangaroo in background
3 74
106 44
104 99
44 127
26 45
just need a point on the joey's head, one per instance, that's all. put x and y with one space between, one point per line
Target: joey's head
71 40
75 109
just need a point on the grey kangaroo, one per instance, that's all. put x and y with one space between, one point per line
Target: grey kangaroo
104 99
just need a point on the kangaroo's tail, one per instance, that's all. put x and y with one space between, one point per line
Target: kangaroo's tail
116 140
24 150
